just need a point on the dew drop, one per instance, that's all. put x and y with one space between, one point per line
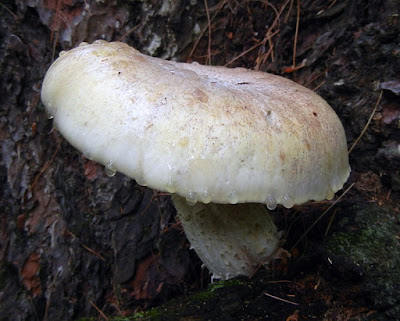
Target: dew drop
88 155
330 194
48 115
233 198
110 172
191 199
140 180
109 169
190 202
206 197
287 201
187 74
270 201
170 187
99 42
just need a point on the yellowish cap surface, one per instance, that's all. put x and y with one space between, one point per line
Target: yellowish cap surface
209 134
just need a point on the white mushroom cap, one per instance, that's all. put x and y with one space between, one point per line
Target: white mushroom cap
209 134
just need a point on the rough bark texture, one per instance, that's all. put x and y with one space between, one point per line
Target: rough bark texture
73 240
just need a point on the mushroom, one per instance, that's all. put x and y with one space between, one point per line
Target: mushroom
227 143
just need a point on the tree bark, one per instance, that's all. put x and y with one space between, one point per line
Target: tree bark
72 239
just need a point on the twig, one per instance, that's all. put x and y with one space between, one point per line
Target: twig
98 310
54 45
261 60
130 31
44 168
86 247
93 252
278 298
368 122
321 216
285 281
332 4
205 28
330 223
272 255
315 77
55 24
10 12
33 306
296 33
208 61
51 288
243 53
268 36
288 13
148 204
319 85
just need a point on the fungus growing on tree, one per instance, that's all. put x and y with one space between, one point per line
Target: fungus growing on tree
227 143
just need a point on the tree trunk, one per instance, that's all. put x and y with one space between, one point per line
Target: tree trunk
72 239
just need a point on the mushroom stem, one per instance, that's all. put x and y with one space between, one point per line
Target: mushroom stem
231 240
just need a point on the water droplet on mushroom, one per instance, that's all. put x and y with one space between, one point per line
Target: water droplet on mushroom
99 42
191 199
48 115
83 44
330 194
287 201
110 172
270 201
206 197
232 197
109 169
187 74
170 187
88 155
139 178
